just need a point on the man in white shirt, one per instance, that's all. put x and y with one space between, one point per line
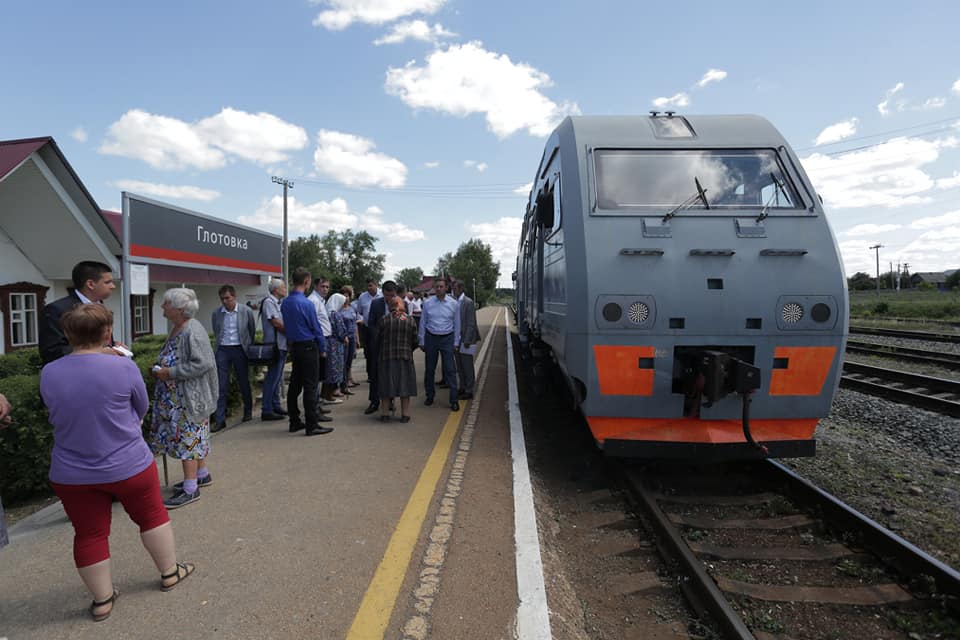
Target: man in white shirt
321 289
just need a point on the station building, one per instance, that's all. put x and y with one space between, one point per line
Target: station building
49 222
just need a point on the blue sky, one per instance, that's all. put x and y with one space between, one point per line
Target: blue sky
422 120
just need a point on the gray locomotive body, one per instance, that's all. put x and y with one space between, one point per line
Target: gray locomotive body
683 275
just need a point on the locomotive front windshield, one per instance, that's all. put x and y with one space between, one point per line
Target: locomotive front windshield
660 180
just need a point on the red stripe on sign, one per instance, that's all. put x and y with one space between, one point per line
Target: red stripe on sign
144 251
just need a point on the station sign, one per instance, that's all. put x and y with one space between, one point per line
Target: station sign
160 233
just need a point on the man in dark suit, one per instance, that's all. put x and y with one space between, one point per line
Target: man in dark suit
469 337
92 282
234 327
378 309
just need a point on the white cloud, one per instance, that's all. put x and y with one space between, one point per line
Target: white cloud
949 183
466 78
937 222
712 75
473 164
956 87
678 100
320 217
869 229
351 160
343 13
883 107
887 175
837 132
431 165
502 237
169 143
933 103
524 190
259 137
79 134
161 142
933 251
178 192
414 30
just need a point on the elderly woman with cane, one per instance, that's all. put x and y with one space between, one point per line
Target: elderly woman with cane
96 404
185 395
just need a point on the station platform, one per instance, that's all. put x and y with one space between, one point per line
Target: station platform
377 530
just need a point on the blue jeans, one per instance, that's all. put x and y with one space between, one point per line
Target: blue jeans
443 346
271 385
235 358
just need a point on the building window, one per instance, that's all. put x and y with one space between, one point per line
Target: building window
20 304
142 310
23 319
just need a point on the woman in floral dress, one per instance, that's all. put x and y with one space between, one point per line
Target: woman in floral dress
336 347
184 396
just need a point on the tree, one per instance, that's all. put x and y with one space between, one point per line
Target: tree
473 264
443 264
409 277
345 258
953 280
861 281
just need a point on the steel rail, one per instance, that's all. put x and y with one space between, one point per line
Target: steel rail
908 559
701 590
925 356
913 335
883 389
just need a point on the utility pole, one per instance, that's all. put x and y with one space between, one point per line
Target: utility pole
287 184
906 271
876 248
474 290
891 274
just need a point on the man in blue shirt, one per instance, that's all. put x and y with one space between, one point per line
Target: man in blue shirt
440 335
304 343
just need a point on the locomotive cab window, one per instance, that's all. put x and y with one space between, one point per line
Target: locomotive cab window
657 181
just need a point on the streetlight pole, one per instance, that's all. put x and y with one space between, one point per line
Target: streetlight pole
877 248
285 262
475 290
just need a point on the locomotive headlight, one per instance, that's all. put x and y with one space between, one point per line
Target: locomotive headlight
638 313
612 312
792 313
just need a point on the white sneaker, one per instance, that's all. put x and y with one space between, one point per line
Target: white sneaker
334 401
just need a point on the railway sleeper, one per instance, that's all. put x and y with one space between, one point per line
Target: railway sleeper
868 595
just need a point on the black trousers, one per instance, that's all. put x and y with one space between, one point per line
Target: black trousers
305 377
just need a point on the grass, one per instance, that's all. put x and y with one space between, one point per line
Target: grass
911 304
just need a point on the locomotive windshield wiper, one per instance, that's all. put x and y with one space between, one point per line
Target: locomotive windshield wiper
701 195
780 188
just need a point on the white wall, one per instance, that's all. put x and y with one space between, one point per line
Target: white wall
15 267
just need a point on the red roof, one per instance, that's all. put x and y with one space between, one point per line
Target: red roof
13 152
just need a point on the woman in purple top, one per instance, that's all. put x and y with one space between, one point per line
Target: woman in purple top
96 404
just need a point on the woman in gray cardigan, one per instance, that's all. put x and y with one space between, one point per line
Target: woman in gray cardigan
185 395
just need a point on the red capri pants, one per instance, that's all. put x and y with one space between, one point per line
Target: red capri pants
89 507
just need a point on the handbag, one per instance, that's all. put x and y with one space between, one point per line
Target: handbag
262 354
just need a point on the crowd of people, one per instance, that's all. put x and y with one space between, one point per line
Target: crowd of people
97 401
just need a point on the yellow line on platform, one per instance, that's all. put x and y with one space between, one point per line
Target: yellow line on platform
377 606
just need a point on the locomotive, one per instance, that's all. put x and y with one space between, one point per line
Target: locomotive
682 274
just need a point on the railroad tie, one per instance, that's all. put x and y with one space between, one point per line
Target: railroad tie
871 595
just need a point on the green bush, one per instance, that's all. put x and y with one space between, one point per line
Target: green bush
20 363
26 444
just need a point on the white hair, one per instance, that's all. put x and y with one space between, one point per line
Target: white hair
274 284
183 299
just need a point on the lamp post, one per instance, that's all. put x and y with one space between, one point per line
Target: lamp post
474 289
877 248
285 261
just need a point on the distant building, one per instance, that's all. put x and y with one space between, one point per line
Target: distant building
936 278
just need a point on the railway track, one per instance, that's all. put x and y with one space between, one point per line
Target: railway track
912 335
927 392
757 538
923 356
